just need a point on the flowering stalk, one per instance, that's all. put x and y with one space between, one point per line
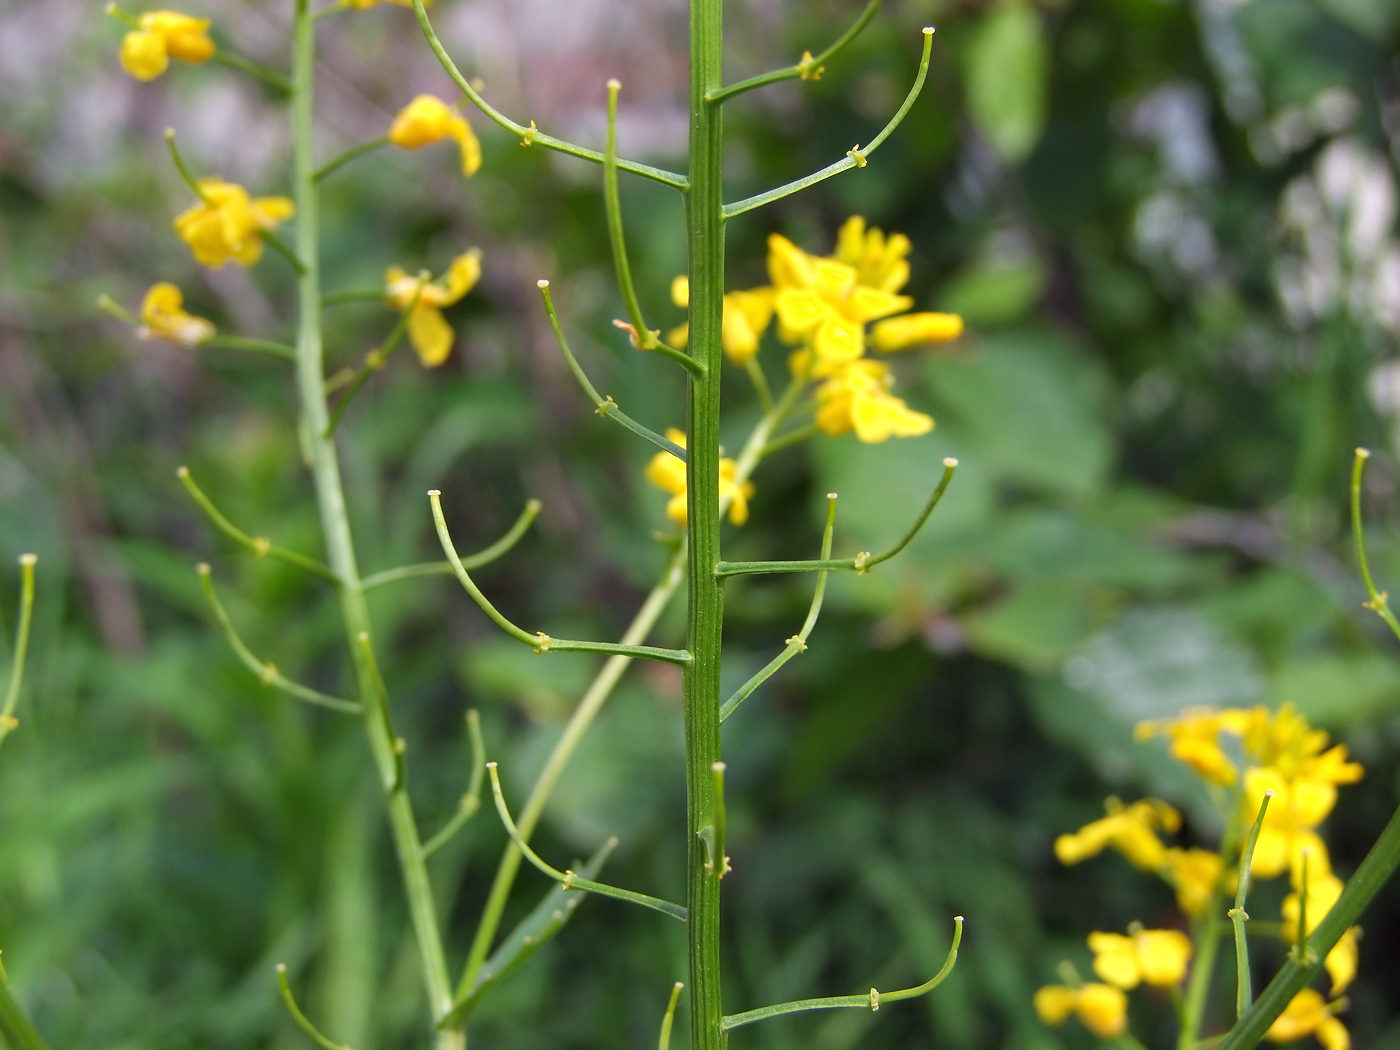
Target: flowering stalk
385 748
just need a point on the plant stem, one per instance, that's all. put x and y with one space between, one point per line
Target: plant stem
700 677
340 548
17 1031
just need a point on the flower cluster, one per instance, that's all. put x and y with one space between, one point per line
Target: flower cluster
823 305
1244 756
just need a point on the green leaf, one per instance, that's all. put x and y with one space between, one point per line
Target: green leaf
1007 67
1032 407
1034 627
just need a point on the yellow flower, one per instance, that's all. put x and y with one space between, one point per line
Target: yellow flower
1309 1014
428 119
900 333
1102 1008
163 35
667 473
1156 957
746 317
855 396
428 330
1194 873
164 319
1195 739
1132 830
1342 960
227 224
365 5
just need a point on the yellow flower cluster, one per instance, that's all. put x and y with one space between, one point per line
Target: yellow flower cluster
822 305
1250 752
228 224
1155 957
162 35
667 473
428 331
428 119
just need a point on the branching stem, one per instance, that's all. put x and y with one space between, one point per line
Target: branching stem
568 879
861 562
855 158
532 135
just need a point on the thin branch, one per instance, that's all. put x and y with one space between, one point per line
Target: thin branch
604 406
267 673
471 561
471 801
873 1000
375 360
283 249
259 545
760 383
390 741
642 336
246 65
539 641
300 1018
568 879
1377 603
798 642
8 722
1244 993
808 68
353 153
352 295
668 1018
855 158
180 165
532 135
257 346
863 562
534 931
792 437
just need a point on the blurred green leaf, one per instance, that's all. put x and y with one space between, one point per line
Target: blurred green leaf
1006 73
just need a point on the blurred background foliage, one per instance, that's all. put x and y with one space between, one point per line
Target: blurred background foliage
1169 224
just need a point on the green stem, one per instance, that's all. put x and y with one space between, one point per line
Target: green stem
257 346
472 561
267 673
1238 916
246 65
872 1000
701 676
353 153
17 1031
1376 599
604 406
339 543
303 1022
8 722
1207 933
798 642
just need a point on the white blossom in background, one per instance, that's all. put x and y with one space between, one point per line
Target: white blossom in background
1338 222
